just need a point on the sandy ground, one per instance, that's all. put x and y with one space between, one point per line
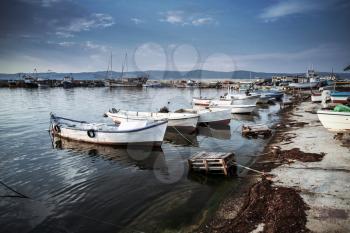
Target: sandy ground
325 185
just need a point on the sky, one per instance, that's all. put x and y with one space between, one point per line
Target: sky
226 35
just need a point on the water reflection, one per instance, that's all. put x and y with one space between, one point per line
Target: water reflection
141 156
180 137
218 131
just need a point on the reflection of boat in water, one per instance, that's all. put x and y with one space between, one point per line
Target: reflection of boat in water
143 157
218 132
181 137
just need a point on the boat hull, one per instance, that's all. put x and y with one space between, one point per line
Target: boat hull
340 97
316 98
212 116
148 136
215 116
335 121
304 85
239 109
189 122
201 102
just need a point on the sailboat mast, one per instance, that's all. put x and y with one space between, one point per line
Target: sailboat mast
124 62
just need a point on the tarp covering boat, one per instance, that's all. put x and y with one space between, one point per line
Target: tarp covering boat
341 108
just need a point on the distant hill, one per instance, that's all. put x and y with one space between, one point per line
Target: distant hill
168 75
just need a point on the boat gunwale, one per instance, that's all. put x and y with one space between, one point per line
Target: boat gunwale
333 113
136 117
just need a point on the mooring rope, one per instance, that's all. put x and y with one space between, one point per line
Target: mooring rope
20 195
248 168
183 135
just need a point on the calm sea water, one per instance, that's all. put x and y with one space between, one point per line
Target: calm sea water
75 187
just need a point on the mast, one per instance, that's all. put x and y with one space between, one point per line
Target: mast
124 63
111 62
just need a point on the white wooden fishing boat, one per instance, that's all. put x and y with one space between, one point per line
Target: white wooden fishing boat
242 98
143 132
213 116
238 108
335 121
201 101
188 120
220 102
316 97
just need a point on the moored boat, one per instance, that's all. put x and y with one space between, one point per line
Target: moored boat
316 97
212 116
142 133
183 120
201 101
67 82
238 108
335 121
340 97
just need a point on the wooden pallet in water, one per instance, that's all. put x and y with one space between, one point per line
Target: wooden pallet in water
212 162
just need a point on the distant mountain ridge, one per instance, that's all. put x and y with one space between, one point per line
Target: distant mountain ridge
169 75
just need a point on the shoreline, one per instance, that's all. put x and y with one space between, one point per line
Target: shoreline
275 202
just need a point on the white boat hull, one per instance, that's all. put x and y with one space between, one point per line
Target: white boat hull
316 98
212 115
215 115
335 121
238 109
174 119
304 85
152 134
202 102
339 99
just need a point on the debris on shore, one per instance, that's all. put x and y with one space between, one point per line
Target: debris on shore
274 209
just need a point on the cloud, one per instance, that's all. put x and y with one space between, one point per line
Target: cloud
137 20
292 7
66 43
64 34
174 17
202 21
92 45
96 20
181 18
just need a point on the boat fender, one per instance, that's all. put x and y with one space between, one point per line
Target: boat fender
91 133
56 129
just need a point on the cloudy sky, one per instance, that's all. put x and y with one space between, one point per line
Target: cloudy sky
225 35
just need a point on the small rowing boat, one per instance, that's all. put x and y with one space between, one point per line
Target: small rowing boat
201 101
238 108
212 116
340 97
143 133
183 120
335 121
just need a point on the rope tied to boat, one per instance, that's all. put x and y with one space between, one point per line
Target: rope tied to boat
182 135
